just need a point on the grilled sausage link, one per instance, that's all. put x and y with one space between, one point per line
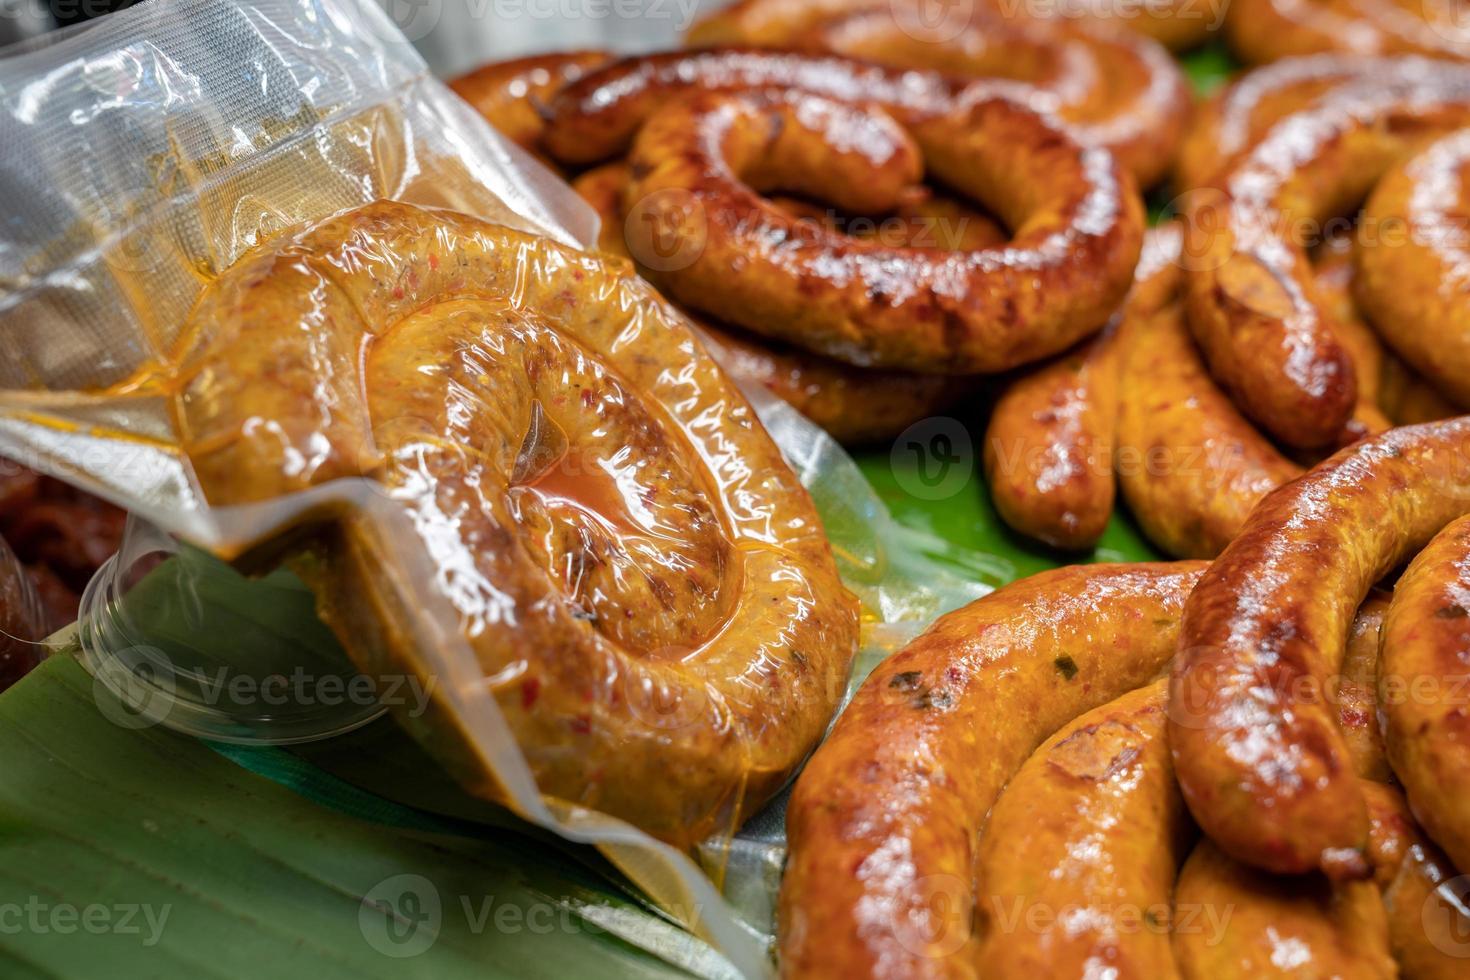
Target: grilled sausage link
1189 464
643 584
511 95
698 163
1424 897
1113 88
1259 755
1413 249
1424 688
1177 24
1266 30
854 405
882 823
1252 304
1048 452
1235 922
1077 864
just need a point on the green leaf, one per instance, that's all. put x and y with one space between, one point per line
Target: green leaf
242 877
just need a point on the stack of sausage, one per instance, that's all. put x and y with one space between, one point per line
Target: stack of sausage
1240 355
1171 769
1286 331
1256 767
879 279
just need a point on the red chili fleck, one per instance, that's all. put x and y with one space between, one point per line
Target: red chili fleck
433 261
588 399
530 691
582 724
397 292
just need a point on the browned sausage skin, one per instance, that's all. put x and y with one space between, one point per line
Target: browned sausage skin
1267 30
854 405
1259 755
1357 691
1077 864
1410 261
1252 304
1424 688
1115 89
1177 24
1235 119
597 116
1235 922
1048 452
511 94
506 393
1422 893
882 823
1189 464
1079 229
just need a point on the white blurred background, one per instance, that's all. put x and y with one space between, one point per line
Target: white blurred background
454 35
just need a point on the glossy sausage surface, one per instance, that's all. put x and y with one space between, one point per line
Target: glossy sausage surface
716 245
1413 252
1256 746
1049 444
639 579
1253 306
882 825
1078 859
1424 688
1235 922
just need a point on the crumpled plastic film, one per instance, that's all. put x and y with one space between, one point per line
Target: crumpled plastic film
142 157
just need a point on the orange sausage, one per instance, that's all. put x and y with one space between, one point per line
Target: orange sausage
643 589
1357 691
1252 303
1077 864
1235 119
1177 24
598 116
1189 465
1260 758
1411 260
1049 444
1266 30
1428 925
882 824
990 310
1333 277
1424 688
1116 89
511 94
1234 922
854 405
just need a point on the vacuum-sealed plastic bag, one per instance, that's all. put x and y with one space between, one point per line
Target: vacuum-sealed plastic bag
535 495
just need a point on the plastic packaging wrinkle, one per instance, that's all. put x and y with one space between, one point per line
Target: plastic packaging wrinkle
154 162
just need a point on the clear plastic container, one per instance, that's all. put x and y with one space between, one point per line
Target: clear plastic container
177 637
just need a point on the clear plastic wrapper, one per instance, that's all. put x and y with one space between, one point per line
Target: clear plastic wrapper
195 341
